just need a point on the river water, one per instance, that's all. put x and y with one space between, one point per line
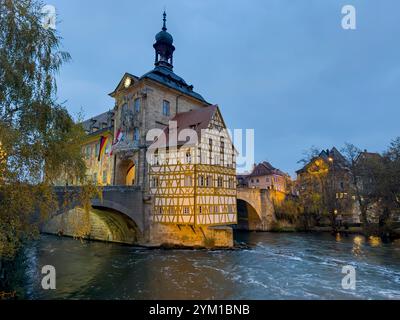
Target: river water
276 266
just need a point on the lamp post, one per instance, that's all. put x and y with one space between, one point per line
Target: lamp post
333 190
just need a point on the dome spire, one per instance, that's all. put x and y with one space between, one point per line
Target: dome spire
164 28
164 48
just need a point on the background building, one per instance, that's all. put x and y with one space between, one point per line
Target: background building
328 176
265 176
99 161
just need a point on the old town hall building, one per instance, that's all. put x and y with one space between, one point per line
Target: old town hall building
192 186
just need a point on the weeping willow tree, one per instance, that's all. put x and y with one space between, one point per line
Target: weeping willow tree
39 140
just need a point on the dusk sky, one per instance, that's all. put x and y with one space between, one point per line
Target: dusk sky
285 68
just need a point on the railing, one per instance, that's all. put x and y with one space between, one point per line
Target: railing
113 188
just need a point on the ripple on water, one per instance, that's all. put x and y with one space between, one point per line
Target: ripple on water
278 266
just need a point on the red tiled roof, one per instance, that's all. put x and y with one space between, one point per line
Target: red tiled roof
197 120
265 169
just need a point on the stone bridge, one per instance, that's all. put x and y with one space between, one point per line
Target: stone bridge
117 216
255 209
123 214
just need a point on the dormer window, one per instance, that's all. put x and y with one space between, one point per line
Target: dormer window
128 82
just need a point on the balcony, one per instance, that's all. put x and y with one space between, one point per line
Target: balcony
124 146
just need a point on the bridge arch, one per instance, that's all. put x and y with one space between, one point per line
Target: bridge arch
113 225
99 223
116 216
256 206
247 215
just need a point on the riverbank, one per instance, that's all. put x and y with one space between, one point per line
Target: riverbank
393 235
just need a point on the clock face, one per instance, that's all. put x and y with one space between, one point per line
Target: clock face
128 82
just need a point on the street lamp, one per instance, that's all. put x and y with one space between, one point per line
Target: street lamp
333 185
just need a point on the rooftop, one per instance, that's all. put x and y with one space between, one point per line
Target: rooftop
197 120
99 122
168 78
265 169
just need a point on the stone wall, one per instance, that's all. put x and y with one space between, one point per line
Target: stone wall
187 236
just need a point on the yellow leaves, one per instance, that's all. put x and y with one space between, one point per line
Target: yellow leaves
3 162
80 223
79 219
318 168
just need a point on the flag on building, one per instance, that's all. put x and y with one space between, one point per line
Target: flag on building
103 144
118 139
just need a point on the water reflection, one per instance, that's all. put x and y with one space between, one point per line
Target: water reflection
375 241
278 266
357 247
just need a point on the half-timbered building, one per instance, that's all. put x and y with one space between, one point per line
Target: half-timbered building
193 171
